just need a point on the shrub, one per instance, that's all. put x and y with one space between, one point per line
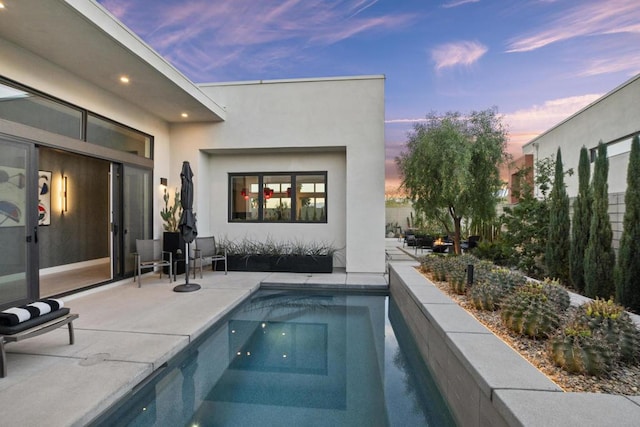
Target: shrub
627 272
498 252
557 247
581 222
599 256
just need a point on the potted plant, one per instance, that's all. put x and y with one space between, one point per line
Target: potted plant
171 214
172 240
271 256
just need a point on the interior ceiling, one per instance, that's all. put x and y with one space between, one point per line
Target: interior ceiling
54 30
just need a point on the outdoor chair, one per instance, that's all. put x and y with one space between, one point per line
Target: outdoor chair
423 242
470 243
409 239
149 254
206 249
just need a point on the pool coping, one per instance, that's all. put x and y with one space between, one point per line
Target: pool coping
484 380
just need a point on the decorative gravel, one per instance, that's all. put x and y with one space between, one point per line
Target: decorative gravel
624 380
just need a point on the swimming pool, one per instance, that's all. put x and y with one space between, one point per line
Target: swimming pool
294 358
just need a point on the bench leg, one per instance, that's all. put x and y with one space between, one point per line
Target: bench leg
3 359
71 336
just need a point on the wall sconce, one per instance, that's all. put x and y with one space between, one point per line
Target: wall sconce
63 195
163 181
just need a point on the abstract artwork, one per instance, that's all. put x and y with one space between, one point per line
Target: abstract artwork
44 198
12 196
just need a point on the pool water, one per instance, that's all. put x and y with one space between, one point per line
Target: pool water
294 359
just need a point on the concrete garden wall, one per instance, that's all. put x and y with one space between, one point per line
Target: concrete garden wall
486 382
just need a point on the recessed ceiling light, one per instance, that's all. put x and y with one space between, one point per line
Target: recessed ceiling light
184 115
1 5
124 79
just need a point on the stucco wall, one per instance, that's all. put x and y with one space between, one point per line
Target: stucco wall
300 125
333 232
612 117
337 115
30 70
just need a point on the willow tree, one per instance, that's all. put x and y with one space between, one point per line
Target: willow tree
599 258
627 272
450 168
557 247
581 222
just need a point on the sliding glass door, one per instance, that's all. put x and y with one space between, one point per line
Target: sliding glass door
131 214
19 210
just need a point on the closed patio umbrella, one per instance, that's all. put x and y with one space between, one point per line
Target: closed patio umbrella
187 224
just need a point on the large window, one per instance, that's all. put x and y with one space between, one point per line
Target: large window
29 107
21 106
278 197
113 135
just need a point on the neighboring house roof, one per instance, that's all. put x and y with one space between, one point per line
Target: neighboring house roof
83 38
628 82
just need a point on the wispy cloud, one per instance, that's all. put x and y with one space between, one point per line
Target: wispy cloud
456 3
218 29
587 18
458 53
526 124
539 118
362 6
405 121
624 63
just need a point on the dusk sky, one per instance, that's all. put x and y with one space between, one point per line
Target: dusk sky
537 61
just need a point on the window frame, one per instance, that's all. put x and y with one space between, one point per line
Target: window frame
293 178
85 113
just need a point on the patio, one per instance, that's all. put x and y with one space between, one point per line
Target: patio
122 335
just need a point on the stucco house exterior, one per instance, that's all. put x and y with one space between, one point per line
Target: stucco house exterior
94 116
613 119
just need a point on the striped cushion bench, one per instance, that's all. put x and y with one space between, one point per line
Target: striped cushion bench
16 325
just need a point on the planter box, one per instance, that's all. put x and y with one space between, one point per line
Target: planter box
283 264
484 381
171 242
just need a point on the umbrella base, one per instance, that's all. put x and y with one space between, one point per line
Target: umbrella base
187 287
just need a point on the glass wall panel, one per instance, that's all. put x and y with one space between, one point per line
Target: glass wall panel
245 200
311 197
137 211
117 137
39 112
277 197
14 223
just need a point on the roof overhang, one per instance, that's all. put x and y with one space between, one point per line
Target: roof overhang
83 38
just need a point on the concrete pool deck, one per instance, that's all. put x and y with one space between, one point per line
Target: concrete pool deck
123 334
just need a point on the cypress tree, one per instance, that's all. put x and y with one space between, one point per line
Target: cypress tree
557 248
627 273
581 222
599 256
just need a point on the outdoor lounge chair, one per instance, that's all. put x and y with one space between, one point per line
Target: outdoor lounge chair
31 320
423 242
206 249
149 254
470 243
409 239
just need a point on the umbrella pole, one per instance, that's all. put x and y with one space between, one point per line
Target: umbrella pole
187 287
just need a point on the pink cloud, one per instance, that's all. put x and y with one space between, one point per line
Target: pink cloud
584 19
458 53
